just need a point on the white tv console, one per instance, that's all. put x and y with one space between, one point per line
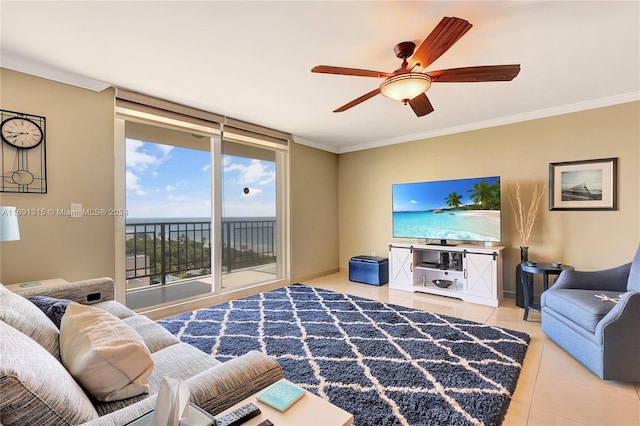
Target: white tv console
476 276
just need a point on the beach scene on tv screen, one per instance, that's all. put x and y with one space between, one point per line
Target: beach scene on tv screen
462 209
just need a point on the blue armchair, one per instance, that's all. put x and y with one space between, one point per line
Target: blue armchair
595 316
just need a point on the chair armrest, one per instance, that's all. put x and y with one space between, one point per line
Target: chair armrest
220 387
618 336
622 320
614 279
86 292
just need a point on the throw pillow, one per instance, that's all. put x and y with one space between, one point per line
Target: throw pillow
35 387
106 356
52 307
23 315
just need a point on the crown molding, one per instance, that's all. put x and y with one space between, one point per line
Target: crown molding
313 144
533 115
38 69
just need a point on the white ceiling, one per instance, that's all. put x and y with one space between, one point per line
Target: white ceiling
252 60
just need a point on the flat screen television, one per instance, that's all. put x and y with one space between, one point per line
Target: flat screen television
454 210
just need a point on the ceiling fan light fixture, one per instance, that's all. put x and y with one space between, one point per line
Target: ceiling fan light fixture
406 86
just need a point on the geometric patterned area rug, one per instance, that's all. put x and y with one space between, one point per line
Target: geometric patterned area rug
385 364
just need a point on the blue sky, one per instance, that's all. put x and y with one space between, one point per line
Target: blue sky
168 181
421 196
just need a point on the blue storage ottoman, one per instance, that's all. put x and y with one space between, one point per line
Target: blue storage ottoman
369 270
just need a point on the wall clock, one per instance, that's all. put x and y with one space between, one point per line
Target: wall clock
23 152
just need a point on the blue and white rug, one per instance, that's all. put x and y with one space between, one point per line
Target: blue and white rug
385 364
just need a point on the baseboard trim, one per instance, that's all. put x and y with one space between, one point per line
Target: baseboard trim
312 276
509 294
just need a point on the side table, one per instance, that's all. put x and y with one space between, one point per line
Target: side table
545 269
310 410
32 284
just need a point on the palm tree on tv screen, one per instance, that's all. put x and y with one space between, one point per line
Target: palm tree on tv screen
453 200
486 196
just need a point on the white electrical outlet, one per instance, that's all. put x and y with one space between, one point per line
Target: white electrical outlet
373 253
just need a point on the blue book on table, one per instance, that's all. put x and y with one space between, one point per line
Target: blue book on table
281 395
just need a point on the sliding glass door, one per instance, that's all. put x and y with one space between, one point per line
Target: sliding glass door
249 215
168 227
204 215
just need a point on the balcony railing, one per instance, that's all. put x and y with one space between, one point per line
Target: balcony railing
160 252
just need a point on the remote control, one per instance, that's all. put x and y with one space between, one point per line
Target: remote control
239 415
266 423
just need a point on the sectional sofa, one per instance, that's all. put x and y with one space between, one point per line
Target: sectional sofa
54 376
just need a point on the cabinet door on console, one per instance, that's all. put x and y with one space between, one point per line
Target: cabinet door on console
481 275
401 266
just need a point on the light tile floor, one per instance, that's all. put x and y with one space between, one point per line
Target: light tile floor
553 388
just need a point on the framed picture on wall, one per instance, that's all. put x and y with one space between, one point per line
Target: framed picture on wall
584 185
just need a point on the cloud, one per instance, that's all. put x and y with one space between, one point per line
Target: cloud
178 184
255 172
139 160
170 178
413 202
138 157
166 149
132 184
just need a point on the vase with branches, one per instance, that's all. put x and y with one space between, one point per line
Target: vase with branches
525 216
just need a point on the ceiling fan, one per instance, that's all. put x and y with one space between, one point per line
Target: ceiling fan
409 83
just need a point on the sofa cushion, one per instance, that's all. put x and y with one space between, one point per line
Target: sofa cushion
180 361
25 317
633 283
580 306
107 357
52 307
115 308
36 389
154 335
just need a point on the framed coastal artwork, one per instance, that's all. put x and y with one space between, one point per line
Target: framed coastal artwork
584 185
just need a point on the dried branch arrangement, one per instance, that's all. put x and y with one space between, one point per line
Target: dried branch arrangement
525 217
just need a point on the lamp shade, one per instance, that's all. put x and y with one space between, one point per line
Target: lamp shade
406 86
9 230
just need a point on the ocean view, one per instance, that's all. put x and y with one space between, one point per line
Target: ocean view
477 225
239 232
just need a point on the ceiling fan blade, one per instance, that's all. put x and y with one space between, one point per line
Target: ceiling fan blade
358 100
327 69
421 105
443 36
472 74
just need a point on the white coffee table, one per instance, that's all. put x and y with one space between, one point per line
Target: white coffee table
310 410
